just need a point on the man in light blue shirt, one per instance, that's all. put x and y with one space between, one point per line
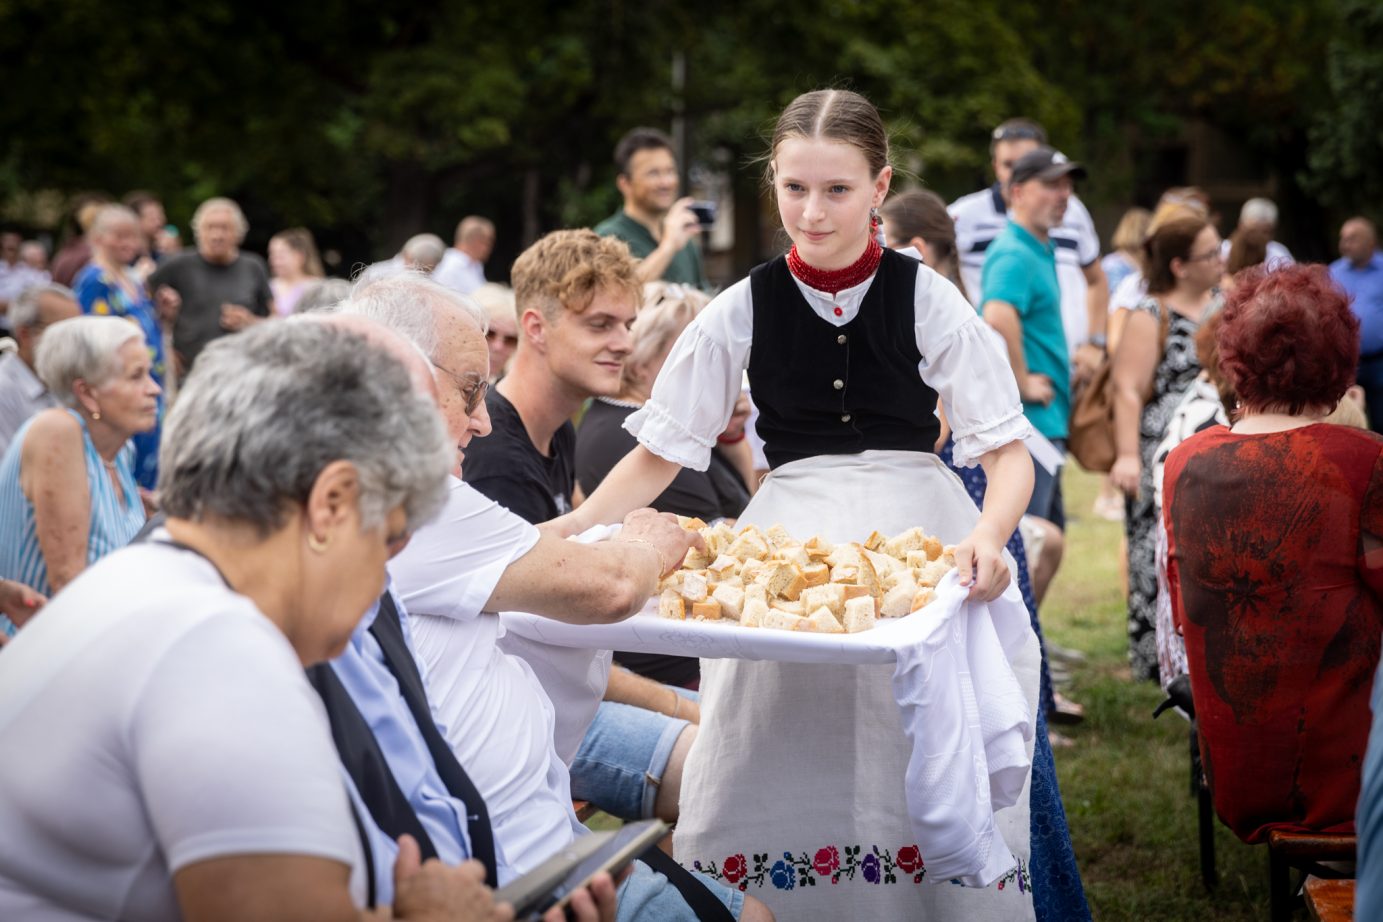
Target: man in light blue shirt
375 691
1359 271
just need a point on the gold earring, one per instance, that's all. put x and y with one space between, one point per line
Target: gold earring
316 544
95 414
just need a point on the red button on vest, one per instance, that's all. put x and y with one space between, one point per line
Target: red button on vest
839 312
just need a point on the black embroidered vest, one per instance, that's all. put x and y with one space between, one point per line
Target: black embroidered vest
827 390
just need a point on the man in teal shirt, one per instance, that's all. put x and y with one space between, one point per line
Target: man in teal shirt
659 227
1022 301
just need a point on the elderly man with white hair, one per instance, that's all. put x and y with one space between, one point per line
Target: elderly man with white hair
477 559
1260 214
215 288
22 393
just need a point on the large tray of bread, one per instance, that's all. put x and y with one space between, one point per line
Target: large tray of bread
770 579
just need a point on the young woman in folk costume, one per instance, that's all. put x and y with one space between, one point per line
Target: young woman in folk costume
795 786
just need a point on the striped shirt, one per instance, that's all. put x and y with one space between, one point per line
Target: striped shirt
113 522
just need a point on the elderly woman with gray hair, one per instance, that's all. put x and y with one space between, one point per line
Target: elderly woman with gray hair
174 666
67 489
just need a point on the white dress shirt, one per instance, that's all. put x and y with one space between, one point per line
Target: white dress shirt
489 704
459 271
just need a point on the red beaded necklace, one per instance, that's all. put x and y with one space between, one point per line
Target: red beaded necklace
832 281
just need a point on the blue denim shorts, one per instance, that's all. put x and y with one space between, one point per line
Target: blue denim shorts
622 758
647 896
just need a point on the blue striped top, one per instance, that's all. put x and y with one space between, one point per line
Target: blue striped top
113 523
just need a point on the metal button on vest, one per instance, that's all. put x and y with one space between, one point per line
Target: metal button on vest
841 339
838 384
845 418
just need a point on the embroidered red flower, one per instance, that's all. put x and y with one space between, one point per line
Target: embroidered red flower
827 860
909 859
734 868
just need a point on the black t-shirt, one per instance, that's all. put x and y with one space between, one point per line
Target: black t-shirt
508 468
718 492
204 287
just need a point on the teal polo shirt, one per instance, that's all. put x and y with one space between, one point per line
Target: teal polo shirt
685 268
1021 270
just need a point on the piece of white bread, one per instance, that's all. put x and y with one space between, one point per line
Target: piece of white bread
696 559
786 581
816 574
695 587
708 610
672 605
931 574
794 608
731 599
723 566
883 564
783 621
749 545
898 600
831 595
924 597
753 613
859 615
823 622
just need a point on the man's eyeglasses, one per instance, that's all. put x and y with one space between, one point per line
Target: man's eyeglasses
473 392
1213 254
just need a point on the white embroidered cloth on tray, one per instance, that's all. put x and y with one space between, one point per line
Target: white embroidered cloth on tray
868 761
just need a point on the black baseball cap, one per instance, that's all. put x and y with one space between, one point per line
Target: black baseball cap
1045 164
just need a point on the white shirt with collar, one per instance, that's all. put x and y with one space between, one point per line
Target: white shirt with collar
490 706
696 390
459 271
22 395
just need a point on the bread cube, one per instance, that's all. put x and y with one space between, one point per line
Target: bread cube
785 581
690 522
779 536
753 613
783 621
816 548
672 605
822 621
897 601
723 566
923 598
696 559
708 610
830 596
749 546
816 574
731 600
859 615
883 564
695 587
875 541
794 608
931 574
755 592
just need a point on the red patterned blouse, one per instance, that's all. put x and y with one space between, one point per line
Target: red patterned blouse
1282 616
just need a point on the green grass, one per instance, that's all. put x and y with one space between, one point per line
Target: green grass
1125 781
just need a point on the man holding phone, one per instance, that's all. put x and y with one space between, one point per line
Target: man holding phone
659 227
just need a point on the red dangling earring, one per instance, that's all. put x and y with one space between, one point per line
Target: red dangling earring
874 220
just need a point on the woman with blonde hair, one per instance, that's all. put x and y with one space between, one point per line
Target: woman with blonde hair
294 267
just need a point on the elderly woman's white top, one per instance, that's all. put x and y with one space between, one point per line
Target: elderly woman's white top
961 360
151 718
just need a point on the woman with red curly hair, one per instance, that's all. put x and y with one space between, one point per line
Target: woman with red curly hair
1276 565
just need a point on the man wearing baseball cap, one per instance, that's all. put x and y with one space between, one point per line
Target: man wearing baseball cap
1022 301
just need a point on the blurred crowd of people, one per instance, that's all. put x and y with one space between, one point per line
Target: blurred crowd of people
197 422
